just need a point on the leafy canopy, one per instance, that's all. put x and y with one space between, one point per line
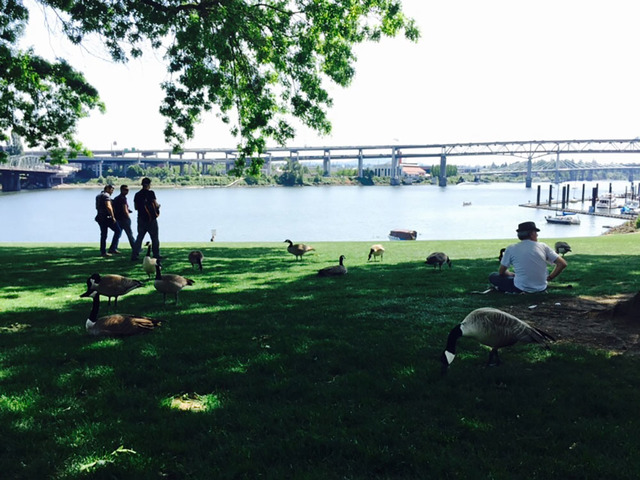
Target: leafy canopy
261 62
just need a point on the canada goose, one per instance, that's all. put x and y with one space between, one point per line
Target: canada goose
562 248
502 250
437 259
335 270
118 324
148 263
493 328
298 249
375 252
195 258
169 283
111 285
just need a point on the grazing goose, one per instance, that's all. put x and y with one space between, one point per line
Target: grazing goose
335 270
148 263
493 328
111 285
502 250
117 324
195 258
437 259
562 248
298 249
169 283
375 252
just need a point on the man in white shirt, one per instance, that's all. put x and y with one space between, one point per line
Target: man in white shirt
529 259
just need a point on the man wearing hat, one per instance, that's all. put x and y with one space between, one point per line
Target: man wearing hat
529 259
146 204
106 220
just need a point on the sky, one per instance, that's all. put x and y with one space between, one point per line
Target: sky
497 70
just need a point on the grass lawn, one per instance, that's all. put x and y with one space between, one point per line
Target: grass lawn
266 371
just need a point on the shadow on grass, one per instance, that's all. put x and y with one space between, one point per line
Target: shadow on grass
299 376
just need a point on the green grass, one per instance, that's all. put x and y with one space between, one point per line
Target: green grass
266 371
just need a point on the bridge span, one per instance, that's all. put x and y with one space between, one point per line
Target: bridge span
201 158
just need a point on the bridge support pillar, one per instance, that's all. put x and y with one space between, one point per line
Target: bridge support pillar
10 182
360 162
395 178
326 163
443 171
631 176
529 179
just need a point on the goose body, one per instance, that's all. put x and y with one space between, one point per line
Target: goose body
117 324
111 285
195 258
562 248
335 270
148 263
493 328
298 249
169 283
437 259
375 252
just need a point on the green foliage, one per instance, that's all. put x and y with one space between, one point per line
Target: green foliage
451 171
262 63
266 370
41 102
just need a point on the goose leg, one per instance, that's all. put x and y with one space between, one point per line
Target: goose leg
494 359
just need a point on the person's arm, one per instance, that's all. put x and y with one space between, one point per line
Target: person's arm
504 271
109 208
560 264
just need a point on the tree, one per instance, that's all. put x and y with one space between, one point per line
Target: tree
40 101
262 62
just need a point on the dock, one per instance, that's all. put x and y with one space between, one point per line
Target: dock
556 207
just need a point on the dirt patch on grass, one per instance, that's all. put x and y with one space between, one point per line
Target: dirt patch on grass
608 323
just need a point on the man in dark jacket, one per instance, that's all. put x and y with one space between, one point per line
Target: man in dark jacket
106 220
146 204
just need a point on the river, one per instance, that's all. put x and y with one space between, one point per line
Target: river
331 213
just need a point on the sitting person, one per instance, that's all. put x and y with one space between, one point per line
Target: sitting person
529 259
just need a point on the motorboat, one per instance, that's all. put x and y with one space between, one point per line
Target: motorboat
608 200
564 218
403 235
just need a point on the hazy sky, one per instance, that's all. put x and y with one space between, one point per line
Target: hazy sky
497 70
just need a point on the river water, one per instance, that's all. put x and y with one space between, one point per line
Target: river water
332 213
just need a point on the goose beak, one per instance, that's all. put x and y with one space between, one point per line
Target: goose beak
86 294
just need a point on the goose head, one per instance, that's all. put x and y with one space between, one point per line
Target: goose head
92 285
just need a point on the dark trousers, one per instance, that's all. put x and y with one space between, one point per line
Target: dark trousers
503 283
125 226
105 225
144 227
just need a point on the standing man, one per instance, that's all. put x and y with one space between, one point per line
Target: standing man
121 210
148 210
529 259
106 219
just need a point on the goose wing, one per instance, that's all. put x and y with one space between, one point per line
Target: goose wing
496 329
117 284
122 324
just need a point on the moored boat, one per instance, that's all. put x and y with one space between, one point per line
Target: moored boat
564 218
403 235
608 200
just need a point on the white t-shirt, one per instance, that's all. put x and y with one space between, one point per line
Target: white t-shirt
529 260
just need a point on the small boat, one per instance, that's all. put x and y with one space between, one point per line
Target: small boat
403 235
564 218
608 200
466 204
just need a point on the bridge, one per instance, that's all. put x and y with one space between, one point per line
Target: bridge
29 169
202 158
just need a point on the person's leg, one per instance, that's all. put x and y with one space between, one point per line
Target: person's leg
503 283
125 225
142 231
103 238
116 237
155 240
